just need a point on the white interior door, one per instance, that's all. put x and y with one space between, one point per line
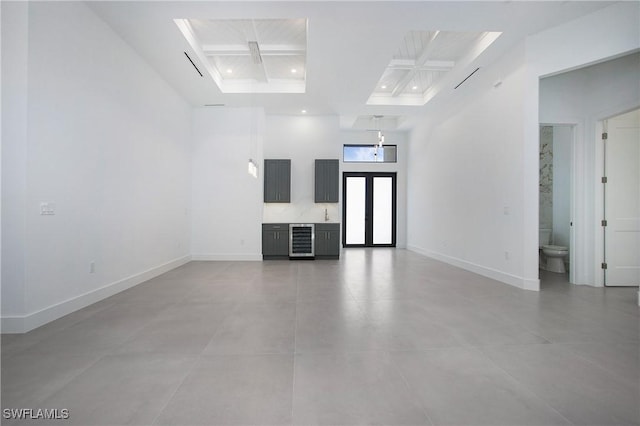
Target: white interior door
622 200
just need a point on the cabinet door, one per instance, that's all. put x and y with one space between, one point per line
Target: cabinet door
333 243
275 240
284 181
320 243
327 240
277 181
327 181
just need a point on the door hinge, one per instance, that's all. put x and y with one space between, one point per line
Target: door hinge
604 179
605 136
604 265
604 223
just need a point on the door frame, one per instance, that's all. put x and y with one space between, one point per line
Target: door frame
369 207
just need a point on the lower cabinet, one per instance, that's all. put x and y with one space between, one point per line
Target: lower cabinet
275 241
327 240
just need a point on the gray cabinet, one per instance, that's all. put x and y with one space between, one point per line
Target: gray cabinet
275 240
277 181
327 181
327 240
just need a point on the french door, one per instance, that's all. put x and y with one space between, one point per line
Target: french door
369 209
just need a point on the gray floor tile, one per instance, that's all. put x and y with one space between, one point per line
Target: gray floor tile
579 389
180 329
461 386
256 328
352 389
224 390
621 359
29 379
122 389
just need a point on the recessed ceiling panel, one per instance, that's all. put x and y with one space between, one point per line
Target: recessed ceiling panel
251 55
423 59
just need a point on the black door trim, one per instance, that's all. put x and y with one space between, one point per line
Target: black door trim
368 233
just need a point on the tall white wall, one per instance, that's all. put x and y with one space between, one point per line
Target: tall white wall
108 142
226 200
15 48
465 178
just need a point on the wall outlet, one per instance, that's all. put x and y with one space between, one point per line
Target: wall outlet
47 209
92 267
506 255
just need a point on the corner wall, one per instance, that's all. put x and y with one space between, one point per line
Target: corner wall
106 142
473 170
582 98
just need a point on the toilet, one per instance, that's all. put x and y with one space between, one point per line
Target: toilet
551 256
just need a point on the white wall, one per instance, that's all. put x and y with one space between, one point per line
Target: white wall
582 98
465 178
15 27
108 142
226 200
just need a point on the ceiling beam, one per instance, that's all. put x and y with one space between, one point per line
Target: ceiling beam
419 62
243 49
409 64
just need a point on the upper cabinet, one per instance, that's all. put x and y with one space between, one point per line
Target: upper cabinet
277 181
327 181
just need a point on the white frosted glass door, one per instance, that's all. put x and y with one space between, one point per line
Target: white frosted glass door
382 210
369 210
356 206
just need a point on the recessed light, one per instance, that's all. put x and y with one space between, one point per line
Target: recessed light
304 111
384 86
293 70
229 71
415 87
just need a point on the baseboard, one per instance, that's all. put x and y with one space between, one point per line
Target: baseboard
228 257
514 280
25 323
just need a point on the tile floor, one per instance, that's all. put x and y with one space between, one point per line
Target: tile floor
380 337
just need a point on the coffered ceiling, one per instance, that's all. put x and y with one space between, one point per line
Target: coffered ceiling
250 55
422 59
343 52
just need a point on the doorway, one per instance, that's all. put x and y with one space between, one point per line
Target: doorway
369 209
621 208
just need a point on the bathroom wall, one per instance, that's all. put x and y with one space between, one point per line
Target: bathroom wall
546 177
562 140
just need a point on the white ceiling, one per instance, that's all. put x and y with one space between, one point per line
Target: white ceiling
350 47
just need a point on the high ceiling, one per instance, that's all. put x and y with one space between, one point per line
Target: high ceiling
343 53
